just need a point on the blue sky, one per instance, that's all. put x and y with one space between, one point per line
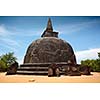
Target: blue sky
83 33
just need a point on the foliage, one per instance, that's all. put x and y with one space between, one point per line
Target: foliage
6 60
3 67
94 64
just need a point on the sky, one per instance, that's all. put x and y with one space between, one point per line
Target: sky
81 32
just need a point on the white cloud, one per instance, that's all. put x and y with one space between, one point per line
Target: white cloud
75 27
87 54
2 29
4 32
6 39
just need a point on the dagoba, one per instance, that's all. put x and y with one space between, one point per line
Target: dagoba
49 49
50 56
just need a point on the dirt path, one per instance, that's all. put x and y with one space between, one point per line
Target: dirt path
95 78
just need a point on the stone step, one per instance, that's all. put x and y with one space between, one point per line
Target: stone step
41 64
32 72
35 64
33 68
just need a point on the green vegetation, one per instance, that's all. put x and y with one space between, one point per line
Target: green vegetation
6 60
94 64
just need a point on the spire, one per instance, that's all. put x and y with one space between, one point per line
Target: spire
49 30
49 27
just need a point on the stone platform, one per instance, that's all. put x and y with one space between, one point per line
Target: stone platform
36 68
33 69
42 68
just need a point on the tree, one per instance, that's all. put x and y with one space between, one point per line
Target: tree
3 67
6 60
94 64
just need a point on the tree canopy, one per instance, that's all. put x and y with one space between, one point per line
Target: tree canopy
94 64
6 60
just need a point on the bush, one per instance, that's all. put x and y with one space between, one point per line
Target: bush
6 60
94 64
3 66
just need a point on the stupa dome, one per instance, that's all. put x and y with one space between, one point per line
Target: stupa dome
49 48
